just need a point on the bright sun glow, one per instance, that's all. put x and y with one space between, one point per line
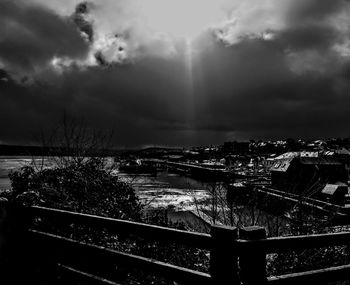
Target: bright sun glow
181 18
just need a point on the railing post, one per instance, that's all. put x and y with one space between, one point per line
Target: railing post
223 259
16 259
252 262
3 217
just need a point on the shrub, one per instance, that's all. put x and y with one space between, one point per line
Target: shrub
79 187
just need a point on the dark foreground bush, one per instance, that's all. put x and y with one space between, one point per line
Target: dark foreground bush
86 188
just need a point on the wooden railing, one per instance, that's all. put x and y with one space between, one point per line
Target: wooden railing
62 245
236 256
293 243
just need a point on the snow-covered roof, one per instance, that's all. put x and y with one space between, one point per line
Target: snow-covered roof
330 189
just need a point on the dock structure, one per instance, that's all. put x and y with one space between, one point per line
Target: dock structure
272 197
195 170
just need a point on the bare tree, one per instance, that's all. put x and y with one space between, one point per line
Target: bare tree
73 142
239 210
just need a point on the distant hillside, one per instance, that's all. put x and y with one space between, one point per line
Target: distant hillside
21 150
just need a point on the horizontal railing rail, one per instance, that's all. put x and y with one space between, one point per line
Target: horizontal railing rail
292 243
194 239
337 273
79 276
62 245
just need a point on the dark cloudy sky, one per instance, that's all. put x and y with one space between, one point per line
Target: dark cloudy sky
176 72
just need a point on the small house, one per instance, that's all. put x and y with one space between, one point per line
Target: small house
334 193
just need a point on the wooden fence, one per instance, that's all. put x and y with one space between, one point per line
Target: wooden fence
236 256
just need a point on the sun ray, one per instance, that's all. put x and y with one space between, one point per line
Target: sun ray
190 100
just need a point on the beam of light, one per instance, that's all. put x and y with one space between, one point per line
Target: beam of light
189 64
190 100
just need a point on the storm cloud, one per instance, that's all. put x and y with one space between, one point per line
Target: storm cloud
268 69
32 35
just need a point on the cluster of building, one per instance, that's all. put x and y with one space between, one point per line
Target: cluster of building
322 175
319 169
